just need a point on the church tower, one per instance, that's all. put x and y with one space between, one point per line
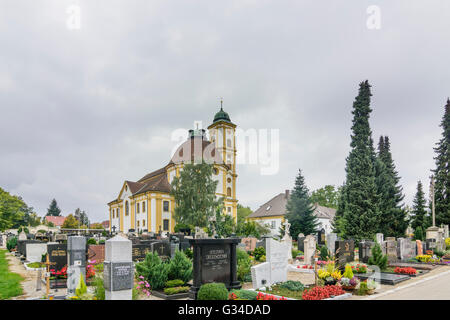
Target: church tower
222 134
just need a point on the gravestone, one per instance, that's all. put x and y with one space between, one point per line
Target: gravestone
139 251
300 244
184 244
174 247
118 269
310 249
162 248
61 237
321 237
214 261
365 250
380 238
406 248
76 262
345 252
446 235
287 239
419 247
391 249
274 270
200 233
34 251
430 244
331 242
57 255
22 236
250 243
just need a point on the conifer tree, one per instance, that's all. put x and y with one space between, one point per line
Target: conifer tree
442 171
393 216
299 209
53 209
419 216
359 216
377 258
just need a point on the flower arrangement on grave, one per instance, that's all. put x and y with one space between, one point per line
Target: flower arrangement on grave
143 287
407 270
447 243
320 293
90 272
347 283
359 267
306 266
423 257
58 274
265 296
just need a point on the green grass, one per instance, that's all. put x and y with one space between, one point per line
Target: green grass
9 282
280 291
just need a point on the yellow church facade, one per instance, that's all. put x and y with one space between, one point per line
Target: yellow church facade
146 204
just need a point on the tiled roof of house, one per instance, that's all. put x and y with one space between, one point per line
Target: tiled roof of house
277 207
56 220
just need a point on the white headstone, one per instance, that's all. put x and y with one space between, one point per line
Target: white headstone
446 235
275 269
331 242
310 249
380 238
287 240
34 251
22 236
118 269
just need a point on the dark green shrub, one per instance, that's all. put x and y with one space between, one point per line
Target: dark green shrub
293 285
377 258
212 291
41 231
101 242
44 257
180 267
245 294
175 290
324 253
174 283
418 233
243 264
241 254
189 253
153 270
24 229
295 253
11 243
91 241
259 252
438 253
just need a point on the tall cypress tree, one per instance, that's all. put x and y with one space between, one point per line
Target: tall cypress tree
393 216
300 210
360 214
419 216
53 210
442 171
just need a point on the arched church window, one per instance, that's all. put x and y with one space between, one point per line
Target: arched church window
228 143
229 192
127 209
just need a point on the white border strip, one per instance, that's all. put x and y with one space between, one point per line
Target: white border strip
406 286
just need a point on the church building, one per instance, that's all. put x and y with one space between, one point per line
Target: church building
146 204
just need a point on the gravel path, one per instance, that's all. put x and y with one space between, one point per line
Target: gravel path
29 284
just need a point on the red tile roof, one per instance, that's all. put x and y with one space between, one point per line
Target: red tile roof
56 220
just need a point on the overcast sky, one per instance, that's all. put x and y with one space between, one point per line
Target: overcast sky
84 109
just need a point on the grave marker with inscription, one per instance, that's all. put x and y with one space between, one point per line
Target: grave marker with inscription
345 252
118 273
76 261
57 255
214 261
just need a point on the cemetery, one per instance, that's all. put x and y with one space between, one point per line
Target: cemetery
201 267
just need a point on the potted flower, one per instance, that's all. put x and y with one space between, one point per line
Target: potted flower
330 281
348 284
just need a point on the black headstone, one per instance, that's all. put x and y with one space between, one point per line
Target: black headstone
139 251
365 250
321 237
57 255
162 248
301 244
214 261
345 252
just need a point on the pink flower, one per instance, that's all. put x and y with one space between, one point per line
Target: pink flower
147 285
138 287
141 277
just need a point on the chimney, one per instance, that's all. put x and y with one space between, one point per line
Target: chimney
287 194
